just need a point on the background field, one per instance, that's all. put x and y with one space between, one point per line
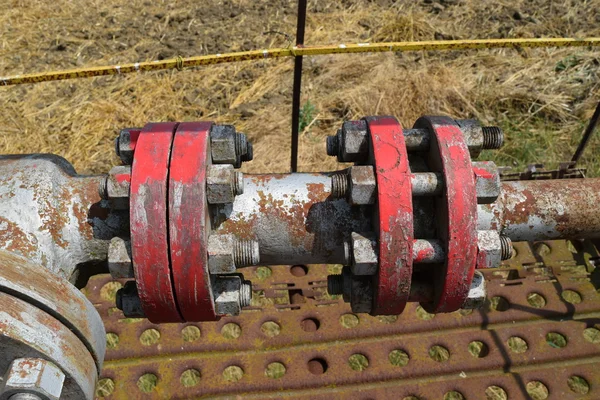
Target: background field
542 98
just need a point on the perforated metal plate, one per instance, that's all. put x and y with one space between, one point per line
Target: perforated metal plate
539 336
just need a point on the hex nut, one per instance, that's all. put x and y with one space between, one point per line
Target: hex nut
487 181
222 183
364 254
119 258
346 284
354 141
117 184
363 185
220 254
473 135
35 376
489 248
128 301
477 293
222 144
226 292
125 144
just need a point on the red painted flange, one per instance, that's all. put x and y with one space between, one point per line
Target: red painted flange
148 219
395 223
456 213
188 221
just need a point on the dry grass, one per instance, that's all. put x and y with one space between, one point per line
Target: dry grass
541 97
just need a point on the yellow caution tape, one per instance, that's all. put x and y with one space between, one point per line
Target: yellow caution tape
181 63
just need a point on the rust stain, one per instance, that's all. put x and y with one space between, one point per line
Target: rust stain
20 242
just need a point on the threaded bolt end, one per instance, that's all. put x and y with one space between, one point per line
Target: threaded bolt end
249 155
339 185
245 293
335 284
241 144
103 188
493 137
238 183
333 145
245 253
506 247
118 146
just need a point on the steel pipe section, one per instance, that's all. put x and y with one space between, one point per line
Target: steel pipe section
545 209
293 218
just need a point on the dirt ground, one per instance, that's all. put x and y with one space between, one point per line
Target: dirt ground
541 97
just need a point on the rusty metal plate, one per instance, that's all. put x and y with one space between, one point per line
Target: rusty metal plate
538 337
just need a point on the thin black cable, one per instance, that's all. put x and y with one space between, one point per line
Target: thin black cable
300 28
586 136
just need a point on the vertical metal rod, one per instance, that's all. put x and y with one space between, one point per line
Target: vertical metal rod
587 134
300 27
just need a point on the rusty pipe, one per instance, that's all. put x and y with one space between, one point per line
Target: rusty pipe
294 218
545 209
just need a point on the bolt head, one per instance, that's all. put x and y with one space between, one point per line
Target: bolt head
477 293
219 184
226 292
487 181
33 375
220 254
363 185
489 249
364 254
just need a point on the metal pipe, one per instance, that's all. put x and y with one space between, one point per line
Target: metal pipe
545 209
294 218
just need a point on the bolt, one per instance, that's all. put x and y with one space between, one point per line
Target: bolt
506 247
333 145
249 155
243 148
125 144
238 183
24 396
223 183
32 379
245 253
103 188
363 185
339 185
477 293
241 143
245 293
335 284
493 137
129 302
